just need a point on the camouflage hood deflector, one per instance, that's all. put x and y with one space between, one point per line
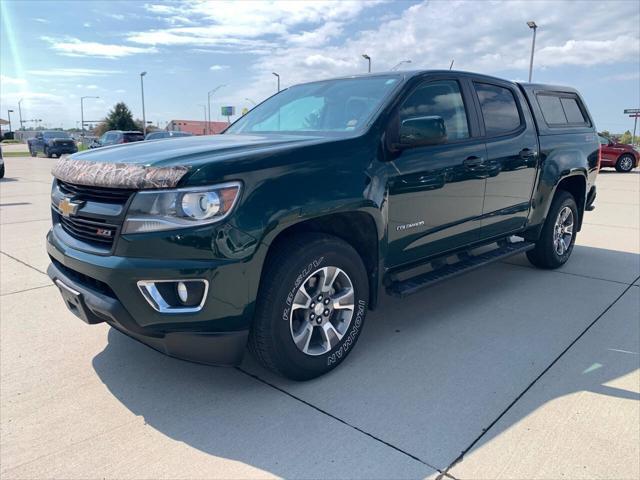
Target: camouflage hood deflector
117 175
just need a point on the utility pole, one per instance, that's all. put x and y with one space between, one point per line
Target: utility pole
209 95
20 113
9 115
451 65
144 118
532 25
277 75
204 124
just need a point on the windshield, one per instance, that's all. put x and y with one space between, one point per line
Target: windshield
340 106
55 135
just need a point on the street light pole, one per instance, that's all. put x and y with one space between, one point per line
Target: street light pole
209 95
82 112
252 101
20 112
144 118
204 125
277 75
532 25
400 63
368 59
9 115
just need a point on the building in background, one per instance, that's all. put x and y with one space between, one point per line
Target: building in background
196 127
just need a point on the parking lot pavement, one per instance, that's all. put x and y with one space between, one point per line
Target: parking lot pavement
507 372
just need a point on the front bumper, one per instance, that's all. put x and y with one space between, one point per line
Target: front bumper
103 289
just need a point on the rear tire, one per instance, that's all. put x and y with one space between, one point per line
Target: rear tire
33 153
625 163
2 171
311 306
558 235
47 153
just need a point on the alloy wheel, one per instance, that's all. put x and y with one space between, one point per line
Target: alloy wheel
322 310
563 231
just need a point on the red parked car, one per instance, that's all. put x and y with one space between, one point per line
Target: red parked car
621 156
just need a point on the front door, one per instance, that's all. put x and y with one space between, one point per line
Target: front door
436 192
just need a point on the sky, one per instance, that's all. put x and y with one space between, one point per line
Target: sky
54 52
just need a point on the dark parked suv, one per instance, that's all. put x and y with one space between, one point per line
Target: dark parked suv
283 231
116 137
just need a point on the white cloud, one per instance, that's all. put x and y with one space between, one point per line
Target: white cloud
229 23
73 72
42 20
218 67
7 80
74 47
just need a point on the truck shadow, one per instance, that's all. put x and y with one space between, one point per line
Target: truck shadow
430 373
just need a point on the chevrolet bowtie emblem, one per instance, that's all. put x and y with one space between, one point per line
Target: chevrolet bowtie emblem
68 207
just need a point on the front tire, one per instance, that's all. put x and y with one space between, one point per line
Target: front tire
625 163
311 306
558 235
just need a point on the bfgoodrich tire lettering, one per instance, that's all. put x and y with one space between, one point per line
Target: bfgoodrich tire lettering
289 268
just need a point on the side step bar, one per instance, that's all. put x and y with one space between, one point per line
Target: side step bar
466 262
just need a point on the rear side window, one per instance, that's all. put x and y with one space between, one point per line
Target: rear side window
440 98
133 137
499 109
561 110
572 110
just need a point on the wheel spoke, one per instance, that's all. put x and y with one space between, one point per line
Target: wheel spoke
303 338
344 300
330 275
302 299
331 335
569 229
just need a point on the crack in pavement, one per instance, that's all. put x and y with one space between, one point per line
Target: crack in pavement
485 430
507 262
324 412
27 290
23 263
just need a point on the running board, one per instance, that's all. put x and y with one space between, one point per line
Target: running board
465 263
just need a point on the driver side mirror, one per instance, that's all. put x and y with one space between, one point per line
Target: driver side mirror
421 131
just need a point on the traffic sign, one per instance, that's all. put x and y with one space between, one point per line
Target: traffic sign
632 110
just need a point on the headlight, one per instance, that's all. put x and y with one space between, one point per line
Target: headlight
156 210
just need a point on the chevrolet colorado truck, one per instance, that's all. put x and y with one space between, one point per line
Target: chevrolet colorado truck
50 143
283 232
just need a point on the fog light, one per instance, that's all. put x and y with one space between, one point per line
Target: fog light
183 293
175 296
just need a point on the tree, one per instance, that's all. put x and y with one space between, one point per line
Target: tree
120 118
605 133
626 137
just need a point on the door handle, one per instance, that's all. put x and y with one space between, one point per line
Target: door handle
527 153
473 162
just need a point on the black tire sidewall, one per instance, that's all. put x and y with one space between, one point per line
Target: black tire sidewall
293 362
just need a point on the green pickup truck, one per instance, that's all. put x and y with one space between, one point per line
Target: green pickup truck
281 233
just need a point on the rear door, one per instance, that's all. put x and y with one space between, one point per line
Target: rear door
436 191
512 156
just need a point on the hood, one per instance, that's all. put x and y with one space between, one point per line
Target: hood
184 151
163 163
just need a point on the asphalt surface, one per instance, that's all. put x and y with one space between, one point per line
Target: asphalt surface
506 372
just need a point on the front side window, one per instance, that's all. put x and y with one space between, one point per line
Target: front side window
499 109
327 107
440 98
603 140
